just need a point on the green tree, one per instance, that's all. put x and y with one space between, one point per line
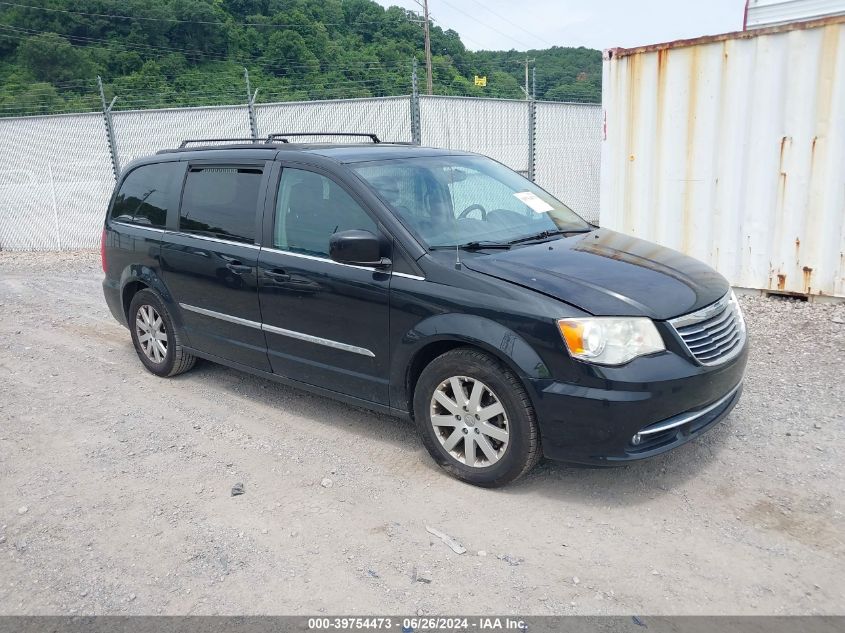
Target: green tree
287 54
192 52
244 8
38 98
51 58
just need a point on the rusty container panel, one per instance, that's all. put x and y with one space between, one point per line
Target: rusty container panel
731 149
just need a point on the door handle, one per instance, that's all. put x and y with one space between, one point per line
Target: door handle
277 274
238 268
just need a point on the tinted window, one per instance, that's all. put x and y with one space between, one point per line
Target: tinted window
310 208
221 202
145 194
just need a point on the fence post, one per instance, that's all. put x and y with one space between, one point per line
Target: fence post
250 104
115 161
532 126
416 133
55 206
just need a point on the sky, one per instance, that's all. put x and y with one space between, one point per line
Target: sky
601 24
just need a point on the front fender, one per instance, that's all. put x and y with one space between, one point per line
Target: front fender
486 334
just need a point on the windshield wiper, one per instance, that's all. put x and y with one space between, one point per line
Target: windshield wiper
544 235
472 246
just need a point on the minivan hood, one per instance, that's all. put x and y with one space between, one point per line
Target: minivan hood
609 274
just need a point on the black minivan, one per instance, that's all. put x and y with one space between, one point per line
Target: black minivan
427 283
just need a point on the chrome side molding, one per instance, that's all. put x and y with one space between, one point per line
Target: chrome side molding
221 316
363 351
280 331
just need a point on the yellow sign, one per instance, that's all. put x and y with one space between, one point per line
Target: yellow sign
481 81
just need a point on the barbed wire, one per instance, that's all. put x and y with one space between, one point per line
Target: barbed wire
43 104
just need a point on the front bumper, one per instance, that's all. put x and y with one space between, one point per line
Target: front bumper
668 400
668 434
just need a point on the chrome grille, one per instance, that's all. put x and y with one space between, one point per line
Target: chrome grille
714 334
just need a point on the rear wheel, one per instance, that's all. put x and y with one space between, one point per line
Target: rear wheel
476 419
156 340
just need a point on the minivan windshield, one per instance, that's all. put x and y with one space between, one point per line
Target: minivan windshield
468 201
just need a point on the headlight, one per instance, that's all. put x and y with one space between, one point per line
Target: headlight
610 340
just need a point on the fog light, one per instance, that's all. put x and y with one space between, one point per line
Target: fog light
636 439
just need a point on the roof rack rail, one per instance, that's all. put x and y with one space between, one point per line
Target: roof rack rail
281 136
223 140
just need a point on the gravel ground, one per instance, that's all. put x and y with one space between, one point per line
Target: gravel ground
115 488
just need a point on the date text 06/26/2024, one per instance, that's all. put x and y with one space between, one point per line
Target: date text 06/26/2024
409 624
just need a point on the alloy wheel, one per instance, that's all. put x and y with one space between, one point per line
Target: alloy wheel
469 421
152 333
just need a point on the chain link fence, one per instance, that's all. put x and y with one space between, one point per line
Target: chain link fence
55 180
389 118
567 154
494 127
140 133
56 172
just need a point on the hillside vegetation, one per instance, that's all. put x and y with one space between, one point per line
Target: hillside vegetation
155 53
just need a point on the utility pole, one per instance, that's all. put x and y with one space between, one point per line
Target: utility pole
428 81
424 6
525 89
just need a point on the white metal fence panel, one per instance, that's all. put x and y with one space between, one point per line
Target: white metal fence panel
731 149
55 181
495 127
389 118
143 132
567 154
56 174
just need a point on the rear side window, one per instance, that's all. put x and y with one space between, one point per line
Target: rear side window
145 194
221 202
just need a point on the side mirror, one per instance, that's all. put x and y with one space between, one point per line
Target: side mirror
358 248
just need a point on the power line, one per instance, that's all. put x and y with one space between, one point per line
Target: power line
492 28
124 45
511 23
194 55
172 94
178 21
22 33
198 55
210 55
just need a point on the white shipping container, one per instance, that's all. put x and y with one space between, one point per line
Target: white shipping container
731 148
759 13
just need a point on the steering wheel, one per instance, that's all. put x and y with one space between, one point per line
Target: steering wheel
472 208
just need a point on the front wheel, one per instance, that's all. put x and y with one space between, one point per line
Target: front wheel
476 419
156 340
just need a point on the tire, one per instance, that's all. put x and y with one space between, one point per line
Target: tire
147 313
512 447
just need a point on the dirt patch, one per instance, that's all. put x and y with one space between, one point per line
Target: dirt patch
116 488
